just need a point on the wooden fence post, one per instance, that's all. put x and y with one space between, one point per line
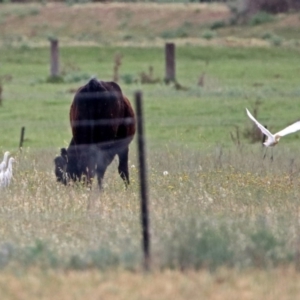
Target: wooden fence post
143 179
54 56
170 62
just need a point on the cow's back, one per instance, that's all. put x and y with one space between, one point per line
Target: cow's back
96 113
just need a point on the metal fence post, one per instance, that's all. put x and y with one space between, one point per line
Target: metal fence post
143 179
22 138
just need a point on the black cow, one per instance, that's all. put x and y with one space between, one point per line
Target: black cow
103 125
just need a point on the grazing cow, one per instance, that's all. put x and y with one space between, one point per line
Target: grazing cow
103 125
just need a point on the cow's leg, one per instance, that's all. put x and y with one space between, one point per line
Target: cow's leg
104 158
91 163
123 165
100 174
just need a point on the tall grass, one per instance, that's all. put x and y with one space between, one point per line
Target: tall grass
207 210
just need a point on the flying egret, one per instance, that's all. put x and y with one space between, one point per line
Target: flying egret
7 175
4 162
273 139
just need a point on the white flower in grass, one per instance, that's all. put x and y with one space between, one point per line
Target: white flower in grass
166 173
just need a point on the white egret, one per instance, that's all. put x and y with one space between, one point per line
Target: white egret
7 174
1 178
273 139
2 167
4 161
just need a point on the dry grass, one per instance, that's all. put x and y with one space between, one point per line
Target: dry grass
282 283
201 194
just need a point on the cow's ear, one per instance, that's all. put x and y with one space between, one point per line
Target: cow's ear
63 151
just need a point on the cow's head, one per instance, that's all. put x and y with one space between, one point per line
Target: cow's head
61 163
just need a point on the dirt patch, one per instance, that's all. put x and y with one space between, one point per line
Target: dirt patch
292 21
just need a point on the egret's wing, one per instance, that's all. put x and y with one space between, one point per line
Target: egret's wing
290 129
263 129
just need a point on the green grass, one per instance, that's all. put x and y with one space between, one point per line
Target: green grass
200 116
261 18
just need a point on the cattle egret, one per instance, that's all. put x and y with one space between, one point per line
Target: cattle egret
4 162
7 174
273 139
2 167
1 178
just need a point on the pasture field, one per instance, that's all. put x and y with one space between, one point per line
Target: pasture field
234 78
220 206
224 222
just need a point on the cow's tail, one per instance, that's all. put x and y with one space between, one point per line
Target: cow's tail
95 86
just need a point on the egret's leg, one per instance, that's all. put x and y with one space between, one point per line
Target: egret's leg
266 149
272 154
